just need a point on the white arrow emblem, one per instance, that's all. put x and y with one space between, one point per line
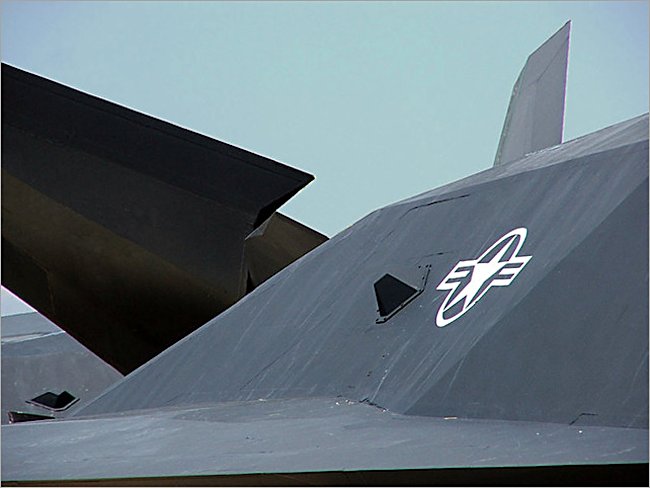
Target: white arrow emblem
469 280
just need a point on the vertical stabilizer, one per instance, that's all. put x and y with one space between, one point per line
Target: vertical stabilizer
535 116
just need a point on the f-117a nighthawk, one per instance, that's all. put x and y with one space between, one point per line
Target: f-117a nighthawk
491 331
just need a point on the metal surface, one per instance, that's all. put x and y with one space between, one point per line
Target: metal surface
275 244
542 349
522 360
37 357
299 436
535 117
126 231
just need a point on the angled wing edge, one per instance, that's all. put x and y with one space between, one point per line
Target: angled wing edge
124 230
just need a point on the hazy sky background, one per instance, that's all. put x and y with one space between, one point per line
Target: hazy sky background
380 101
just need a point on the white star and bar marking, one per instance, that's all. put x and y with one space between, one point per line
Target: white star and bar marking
498 266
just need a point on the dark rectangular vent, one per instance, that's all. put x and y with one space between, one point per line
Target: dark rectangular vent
54 402
15 417
391 293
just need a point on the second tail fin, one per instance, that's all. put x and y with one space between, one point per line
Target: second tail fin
535 117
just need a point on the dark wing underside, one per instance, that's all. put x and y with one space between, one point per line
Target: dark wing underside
126 231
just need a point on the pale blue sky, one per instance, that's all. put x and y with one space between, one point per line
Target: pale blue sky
379 101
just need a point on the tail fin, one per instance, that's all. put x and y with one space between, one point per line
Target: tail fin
535 117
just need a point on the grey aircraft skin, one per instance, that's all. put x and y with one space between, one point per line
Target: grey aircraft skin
39 357
490 331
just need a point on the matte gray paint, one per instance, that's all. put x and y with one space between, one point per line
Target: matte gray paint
38 357
535 117
310 330
297 435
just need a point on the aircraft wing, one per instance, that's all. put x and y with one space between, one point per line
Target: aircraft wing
320 441
38 358
126 231
490 331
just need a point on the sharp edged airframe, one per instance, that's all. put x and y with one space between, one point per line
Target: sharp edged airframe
493 330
